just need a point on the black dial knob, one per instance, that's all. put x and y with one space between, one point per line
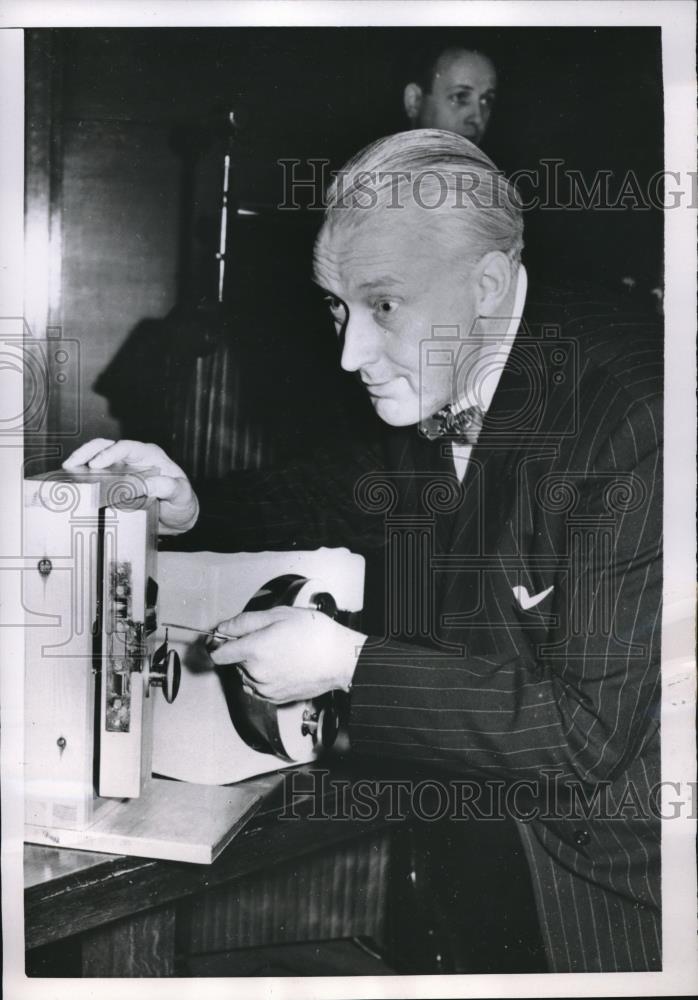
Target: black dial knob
165 672
326 603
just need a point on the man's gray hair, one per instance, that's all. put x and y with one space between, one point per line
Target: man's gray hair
448 178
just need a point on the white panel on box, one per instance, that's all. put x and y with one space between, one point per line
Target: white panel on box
194 738
72 521
60 541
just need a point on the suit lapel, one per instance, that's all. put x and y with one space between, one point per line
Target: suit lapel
488 524
515 419
490 479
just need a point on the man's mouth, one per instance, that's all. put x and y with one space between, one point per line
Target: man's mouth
376 388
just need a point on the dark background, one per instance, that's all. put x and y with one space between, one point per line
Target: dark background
140 159
591 97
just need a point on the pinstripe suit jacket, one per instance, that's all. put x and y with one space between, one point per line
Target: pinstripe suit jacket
522 623
561 503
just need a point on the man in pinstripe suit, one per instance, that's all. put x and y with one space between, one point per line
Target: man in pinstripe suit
519 502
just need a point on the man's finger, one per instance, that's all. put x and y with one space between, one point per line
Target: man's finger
234 651
87 451
165 487
252 621
130 452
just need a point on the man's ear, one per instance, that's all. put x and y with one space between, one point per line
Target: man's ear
412 99
493 282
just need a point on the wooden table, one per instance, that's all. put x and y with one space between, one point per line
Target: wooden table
363 894
281 880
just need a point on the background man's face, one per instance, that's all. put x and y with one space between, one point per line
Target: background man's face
388 284
462 96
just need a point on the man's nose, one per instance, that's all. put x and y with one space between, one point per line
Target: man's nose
360 346
475 114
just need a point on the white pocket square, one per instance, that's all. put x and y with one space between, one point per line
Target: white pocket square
528 601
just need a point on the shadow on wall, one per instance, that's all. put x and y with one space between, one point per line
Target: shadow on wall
246 384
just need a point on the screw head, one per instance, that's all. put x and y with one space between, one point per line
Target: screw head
44 566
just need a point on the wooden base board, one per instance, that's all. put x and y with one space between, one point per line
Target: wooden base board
172 821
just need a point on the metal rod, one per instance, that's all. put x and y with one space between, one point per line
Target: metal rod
211 633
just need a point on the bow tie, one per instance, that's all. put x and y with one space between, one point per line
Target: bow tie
463 426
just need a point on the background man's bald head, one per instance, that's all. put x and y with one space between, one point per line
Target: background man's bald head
455 91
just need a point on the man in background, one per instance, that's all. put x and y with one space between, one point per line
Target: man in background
453 89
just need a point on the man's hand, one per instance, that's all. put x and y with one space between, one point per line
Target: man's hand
290 654
179 507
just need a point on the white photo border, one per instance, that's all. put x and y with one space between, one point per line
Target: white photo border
676 18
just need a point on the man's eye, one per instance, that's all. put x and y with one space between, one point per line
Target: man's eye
461 98
336 306
487 102
385 307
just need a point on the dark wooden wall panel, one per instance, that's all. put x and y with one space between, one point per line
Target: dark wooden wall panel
338 893
139 946
120 244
